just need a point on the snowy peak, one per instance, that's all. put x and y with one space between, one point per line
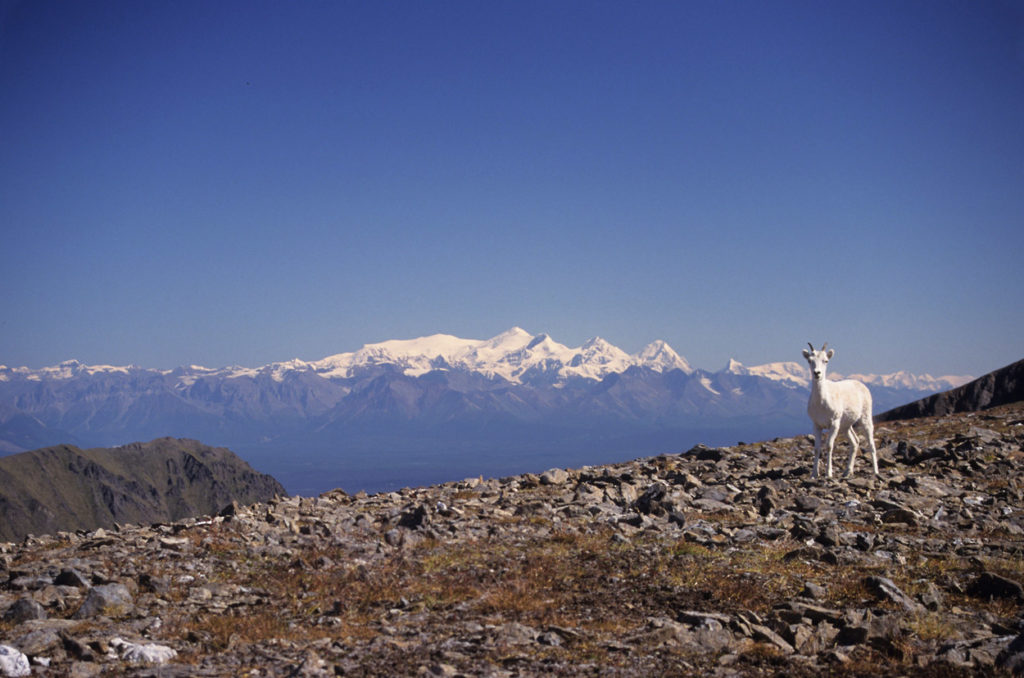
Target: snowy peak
597 356
491 351
789 373
735 367
414 356
660 357
509 340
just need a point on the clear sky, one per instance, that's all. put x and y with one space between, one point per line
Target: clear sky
245 182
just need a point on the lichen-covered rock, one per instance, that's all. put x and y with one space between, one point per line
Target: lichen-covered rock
13 663
146 653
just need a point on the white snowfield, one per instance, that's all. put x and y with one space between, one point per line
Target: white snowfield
515 356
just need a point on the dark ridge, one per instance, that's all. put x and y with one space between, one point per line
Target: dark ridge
1001 387
65 488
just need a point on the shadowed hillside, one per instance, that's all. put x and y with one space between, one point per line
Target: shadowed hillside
67 488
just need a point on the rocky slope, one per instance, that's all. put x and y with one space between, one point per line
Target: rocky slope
721 562
66 488
996 388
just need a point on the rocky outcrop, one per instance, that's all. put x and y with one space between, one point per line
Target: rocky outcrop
723 562
67 488
1001 387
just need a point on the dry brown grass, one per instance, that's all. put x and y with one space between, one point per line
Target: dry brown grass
569 579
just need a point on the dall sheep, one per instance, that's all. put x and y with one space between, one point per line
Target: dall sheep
838 407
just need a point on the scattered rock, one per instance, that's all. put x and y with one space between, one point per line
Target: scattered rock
814 591
13 663
24 609
174 543
72 577
806 503
990 585
108 600
885 588
149 653
900 515
651 501
764 634
465 578
705 453
413 518
555 476
1012 657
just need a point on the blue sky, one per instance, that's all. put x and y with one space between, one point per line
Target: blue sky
243 182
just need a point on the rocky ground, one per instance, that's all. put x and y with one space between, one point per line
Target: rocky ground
722 562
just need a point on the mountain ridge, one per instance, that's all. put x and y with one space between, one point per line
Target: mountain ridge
407 411
508 355
999 387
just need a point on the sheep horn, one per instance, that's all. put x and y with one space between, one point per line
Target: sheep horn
811 345
824 346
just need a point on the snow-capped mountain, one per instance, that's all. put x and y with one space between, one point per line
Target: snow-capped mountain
514 355
513 394
790 373
796 374
916 382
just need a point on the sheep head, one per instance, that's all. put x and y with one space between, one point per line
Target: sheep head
818 360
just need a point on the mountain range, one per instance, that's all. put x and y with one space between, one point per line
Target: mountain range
427 409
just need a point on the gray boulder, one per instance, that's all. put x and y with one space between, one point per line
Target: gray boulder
24 609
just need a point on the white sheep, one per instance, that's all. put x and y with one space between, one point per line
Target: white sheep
839 407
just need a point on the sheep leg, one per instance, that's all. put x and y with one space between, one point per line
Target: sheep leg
817 450
832 434
869 431
854 447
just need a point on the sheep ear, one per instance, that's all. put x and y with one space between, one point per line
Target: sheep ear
807 354
829 354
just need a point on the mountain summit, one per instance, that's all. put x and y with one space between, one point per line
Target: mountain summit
514 355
